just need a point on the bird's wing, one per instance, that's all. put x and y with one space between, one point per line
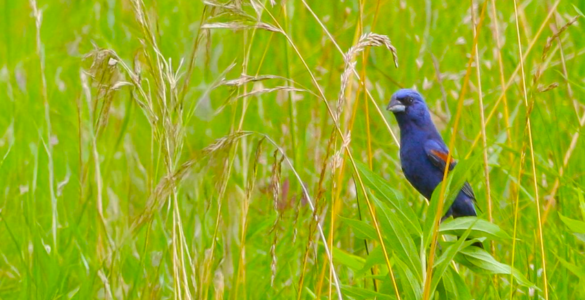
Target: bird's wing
438 155
468 191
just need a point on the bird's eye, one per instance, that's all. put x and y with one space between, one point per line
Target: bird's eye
407 100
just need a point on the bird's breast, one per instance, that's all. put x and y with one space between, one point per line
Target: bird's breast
418 169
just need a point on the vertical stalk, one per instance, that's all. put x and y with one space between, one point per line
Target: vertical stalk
48 143
291 104
529 107
483 125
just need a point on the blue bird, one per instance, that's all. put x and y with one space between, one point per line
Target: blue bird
423 154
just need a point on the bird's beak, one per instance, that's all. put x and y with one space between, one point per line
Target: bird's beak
395 106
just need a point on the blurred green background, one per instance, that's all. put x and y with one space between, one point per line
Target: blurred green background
139 147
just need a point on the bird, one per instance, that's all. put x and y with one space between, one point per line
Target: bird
423 153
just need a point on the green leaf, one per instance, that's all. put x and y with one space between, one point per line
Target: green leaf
579 272
574 225
444 260
580 236
453 287
411 286
581 202
459 177
383 191
480 228
457 285
376 257
361 293
310 293
477 258
398 239
361 228
578 11
347 259
260 227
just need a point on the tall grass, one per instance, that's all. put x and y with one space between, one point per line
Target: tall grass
240 150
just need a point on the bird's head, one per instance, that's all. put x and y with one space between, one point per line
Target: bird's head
409 106
405 100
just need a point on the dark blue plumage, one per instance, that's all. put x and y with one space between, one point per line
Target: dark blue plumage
423 154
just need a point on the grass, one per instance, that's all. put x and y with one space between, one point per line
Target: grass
241 150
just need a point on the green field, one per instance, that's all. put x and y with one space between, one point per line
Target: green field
242 150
